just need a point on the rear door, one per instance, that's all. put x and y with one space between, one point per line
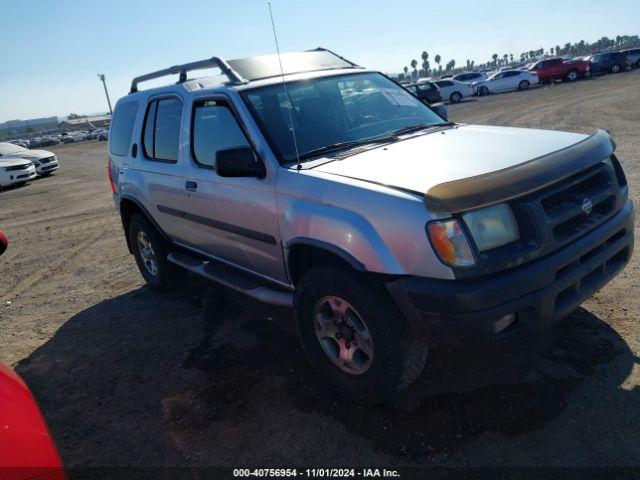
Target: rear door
231 219
555 67
156 172
512 80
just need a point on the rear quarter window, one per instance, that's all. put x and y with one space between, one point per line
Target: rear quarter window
122 127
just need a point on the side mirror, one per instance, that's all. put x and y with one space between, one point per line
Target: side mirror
239 162
441 110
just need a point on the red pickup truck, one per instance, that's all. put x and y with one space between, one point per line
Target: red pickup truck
554 68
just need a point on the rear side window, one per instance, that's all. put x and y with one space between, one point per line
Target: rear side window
214 128
161 136
121 128
444 83
425 87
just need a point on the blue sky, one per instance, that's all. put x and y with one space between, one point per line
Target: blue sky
52 50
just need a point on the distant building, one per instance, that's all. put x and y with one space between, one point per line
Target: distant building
34 125
86 123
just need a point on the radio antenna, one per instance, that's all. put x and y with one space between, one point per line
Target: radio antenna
286 91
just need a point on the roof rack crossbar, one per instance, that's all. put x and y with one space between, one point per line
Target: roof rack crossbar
226 69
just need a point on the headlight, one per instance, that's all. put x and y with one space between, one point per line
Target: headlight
492 227
450 243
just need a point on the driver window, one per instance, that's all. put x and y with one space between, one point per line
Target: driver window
214 128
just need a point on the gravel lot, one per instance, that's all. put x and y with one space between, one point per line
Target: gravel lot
205 377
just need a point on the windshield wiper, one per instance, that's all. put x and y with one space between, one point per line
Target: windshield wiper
334 147
421 126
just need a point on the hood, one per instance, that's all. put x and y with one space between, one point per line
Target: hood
13 162
30 154
424 161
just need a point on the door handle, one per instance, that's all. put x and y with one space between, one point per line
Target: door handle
191 186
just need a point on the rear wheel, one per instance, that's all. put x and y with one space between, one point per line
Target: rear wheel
455 97
150 251
615 68
524 85
353 336
572 76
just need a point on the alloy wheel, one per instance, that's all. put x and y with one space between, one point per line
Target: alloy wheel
343 335
147 253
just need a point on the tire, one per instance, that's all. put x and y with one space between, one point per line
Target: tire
524 85
572 75
483 90
385 357
455 97
161 275
615 68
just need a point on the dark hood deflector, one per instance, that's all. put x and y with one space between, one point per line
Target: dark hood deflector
518 180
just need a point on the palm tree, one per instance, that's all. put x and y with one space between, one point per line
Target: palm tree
495 58
425 62
405 70
414 65
511 57
437 59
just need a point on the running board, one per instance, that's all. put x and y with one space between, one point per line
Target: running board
232 278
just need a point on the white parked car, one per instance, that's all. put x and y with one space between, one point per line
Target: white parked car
15 171
44 161
506 81
453 90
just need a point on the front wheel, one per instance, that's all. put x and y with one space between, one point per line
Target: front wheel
482 91
524 85
615 68
353 336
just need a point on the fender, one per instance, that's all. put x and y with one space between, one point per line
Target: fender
145 212
339 231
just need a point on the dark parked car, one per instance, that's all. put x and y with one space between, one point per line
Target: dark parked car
48 141
33 143
610 62
633 56
426 91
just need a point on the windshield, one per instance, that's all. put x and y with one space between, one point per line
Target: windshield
335 110
9 148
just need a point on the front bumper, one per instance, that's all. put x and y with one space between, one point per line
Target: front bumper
46 168
20 176
464 312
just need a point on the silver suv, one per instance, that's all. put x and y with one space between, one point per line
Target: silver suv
390 230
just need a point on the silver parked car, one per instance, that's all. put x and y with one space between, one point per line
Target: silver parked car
387 228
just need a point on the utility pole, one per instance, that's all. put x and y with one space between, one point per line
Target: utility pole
104 84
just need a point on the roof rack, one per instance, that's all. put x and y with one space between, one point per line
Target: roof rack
226 69
322 49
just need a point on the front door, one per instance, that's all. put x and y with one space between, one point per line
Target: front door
232 219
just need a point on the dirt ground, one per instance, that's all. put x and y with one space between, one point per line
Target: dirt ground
205 377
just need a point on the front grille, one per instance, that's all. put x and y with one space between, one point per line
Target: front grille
50 167
24 175
46 160
579 204
553 217
15 168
